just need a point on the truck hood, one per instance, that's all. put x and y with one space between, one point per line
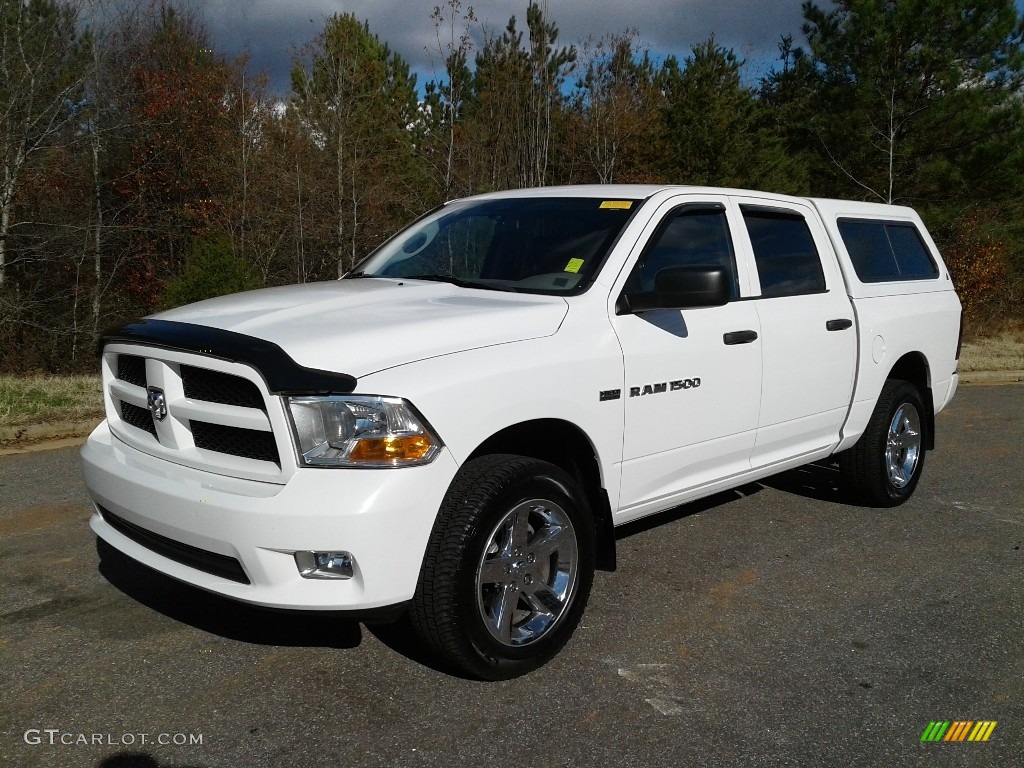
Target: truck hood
362 326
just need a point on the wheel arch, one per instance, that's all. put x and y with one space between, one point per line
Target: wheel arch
568 447
913 367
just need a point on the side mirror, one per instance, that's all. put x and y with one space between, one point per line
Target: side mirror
680 288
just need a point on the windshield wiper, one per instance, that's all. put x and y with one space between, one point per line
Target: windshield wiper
354 275
459 282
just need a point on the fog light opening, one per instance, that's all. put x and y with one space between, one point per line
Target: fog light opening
324 565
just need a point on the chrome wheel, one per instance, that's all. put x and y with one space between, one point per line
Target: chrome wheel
903 445
528 572
508 568
885 465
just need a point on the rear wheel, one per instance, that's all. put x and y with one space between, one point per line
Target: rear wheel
508 567
885 465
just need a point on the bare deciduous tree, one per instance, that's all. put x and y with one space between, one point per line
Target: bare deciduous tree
41 75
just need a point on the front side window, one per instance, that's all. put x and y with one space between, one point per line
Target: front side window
692 236
533 245
885 251
787 260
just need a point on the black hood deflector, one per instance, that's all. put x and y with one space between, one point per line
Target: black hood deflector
282 374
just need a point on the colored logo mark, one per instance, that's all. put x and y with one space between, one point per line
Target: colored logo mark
958 730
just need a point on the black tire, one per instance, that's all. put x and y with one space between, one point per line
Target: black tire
495 630
884 467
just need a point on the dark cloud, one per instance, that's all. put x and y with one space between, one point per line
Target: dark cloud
273 30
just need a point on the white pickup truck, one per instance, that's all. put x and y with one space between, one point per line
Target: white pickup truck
454 429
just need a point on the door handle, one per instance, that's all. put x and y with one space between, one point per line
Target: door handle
838 325
739 337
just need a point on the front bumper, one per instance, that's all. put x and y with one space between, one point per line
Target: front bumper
383 517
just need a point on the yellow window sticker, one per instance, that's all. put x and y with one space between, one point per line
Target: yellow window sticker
622 205
573 265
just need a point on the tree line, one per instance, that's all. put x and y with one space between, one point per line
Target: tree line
142 169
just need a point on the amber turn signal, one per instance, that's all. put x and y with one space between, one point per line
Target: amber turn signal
399 449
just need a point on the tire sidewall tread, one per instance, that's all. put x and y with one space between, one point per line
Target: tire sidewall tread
863 467
443 609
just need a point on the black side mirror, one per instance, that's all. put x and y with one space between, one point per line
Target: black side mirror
680 288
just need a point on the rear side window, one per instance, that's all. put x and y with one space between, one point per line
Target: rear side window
787 260
885 251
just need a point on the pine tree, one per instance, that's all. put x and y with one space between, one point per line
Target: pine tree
357 100
917 100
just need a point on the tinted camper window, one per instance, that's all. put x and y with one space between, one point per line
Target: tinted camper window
883 251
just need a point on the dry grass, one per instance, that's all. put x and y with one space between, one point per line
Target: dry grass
28 400
1002 351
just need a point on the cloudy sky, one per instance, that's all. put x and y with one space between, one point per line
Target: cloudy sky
271 30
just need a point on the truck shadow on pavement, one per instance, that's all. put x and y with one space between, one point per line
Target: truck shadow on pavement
221 616
252 624
266 626
820 481
400 636
136 760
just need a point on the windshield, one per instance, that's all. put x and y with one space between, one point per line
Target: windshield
534 245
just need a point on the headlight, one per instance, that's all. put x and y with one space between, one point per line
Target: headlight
360 431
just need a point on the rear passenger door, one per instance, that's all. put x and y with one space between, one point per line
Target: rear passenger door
808 333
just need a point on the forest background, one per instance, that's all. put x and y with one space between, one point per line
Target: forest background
140 170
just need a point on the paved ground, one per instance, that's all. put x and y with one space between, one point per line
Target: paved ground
777 627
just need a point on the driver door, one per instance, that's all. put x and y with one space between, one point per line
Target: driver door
692 376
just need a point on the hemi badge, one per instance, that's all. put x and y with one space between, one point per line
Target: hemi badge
611 394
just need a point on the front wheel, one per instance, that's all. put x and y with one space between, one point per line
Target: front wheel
508 567
885 465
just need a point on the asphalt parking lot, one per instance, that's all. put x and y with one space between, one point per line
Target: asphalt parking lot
776 626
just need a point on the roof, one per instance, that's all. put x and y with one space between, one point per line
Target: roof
827 206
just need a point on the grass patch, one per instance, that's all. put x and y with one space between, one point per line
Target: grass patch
1002 351
28 400
998 347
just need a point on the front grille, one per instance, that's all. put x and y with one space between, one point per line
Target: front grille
223 412
217 387
194 557
236 441
139 418
132 369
